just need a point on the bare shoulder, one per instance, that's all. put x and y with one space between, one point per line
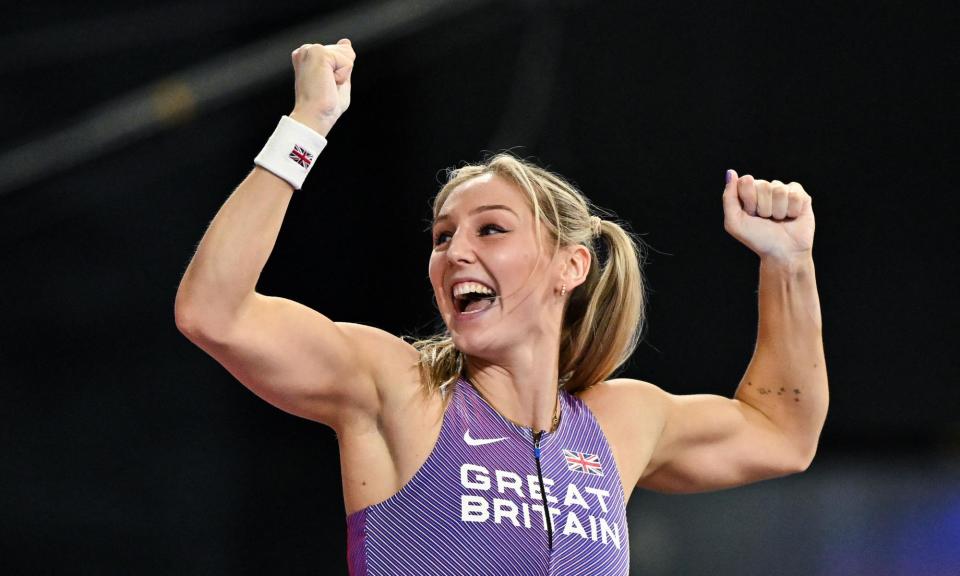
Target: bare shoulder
390 355
621 397
631 414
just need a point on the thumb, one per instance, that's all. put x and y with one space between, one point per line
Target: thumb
731 200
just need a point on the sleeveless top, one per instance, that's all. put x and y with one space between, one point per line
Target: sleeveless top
475 506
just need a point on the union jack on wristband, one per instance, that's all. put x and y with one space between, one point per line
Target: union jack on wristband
290 152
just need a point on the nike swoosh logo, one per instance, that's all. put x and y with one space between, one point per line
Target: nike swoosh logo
479 441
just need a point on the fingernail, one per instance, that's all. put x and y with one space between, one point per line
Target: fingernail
728 176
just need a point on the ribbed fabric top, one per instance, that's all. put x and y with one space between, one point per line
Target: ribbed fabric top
475 506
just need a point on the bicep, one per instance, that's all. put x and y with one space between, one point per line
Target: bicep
302 362
709 442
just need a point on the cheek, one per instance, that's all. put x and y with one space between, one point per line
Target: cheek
517 266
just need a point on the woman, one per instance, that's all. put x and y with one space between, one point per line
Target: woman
500 447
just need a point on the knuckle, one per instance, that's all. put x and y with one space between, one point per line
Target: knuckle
300 51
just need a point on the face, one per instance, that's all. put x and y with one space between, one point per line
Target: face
493 282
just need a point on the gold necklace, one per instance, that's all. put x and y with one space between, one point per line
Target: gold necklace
553 424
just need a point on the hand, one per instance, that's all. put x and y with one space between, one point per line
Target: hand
773 219
322 83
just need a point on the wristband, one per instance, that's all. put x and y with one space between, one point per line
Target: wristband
291 151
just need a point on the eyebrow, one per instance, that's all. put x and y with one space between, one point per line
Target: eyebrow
478 209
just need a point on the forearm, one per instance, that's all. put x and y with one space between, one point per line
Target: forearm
224 272
235 248
787 376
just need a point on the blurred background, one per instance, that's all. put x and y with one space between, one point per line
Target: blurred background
125 449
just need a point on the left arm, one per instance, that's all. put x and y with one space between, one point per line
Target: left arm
786 380
772 424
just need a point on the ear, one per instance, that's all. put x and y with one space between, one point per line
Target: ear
575 265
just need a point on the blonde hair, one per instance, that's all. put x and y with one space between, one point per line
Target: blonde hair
604 315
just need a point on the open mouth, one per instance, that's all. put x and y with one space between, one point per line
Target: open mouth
473 297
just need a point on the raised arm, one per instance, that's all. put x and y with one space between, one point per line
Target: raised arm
772 425
288 354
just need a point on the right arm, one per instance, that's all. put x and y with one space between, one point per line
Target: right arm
289 355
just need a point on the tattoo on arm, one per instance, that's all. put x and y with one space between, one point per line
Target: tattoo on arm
764 391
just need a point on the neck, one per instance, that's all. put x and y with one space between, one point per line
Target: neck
521 387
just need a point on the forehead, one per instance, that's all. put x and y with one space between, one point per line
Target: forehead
483 190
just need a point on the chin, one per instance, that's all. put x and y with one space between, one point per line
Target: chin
469 343
476 343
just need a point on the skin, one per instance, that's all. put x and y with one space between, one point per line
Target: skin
364 382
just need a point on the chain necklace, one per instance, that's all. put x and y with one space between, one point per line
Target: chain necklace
556 411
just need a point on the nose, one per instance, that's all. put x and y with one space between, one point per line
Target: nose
460 249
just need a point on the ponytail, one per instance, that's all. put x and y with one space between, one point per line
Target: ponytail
604 316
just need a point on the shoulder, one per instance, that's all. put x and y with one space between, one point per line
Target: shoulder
632 414
392 358
407 401
614 397
378 341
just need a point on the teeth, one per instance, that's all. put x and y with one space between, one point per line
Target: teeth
468 287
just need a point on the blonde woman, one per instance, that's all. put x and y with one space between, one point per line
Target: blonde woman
501 446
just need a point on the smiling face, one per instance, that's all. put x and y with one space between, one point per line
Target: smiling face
494 282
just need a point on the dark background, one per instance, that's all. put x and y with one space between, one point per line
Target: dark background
125 449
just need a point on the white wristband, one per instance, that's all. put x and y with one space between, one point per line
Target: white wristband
291 151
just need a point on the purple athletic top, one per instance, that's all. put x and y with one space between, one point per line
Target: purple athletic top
475 506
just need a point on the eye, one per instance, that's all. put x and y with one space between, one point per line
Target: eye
491 228
440 238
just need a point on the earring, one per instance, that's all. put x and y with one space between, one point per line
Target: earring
563 289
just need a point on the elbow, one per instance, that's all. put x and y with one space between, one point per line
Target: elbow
805 443
198 329
190 320
204 322
807 450
794 455
801 466
197 310
803 459
186 320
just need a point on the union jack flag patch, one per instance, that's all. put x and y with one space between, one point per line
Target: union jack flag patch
301 156
583 462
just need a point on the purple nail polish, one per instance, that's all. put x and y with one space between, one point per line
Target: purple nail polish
729 176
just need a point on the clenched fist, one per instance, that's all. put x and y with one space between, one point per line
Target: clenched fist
771 218
322 83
